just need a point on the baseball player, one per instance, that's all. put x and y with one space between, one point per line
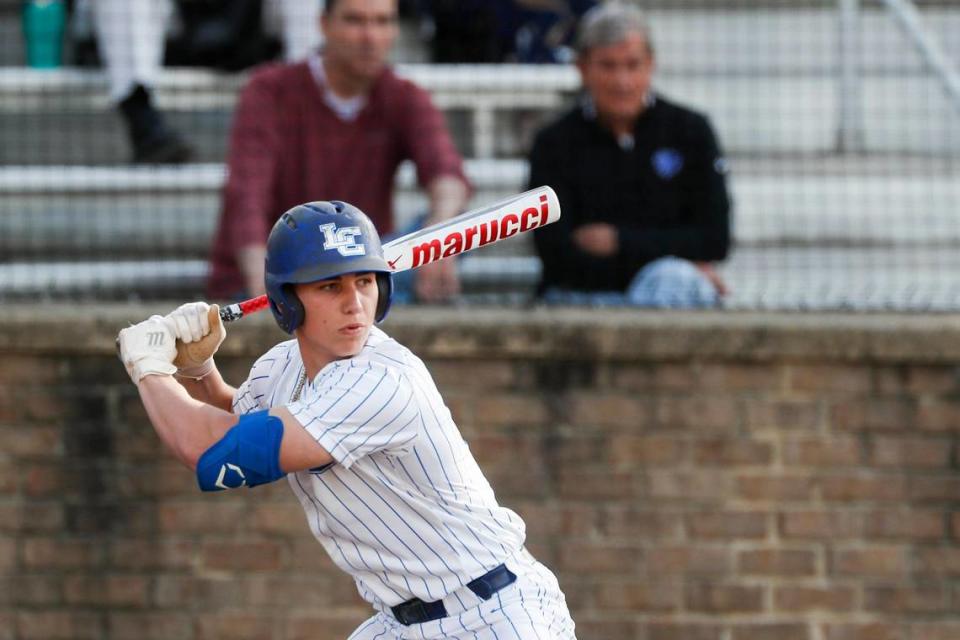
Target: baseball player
355 423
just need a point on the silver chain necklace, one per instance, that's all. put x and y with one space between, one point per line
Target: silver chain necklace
299 388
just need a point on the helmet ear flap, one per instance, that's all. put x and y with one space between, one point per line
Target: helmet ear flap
287 309
385 289
296 312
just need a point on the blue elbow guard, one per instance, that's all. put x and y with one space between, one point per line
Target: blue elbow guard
247 455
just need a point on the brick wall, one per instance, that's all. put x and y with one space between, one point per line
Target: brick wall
694 477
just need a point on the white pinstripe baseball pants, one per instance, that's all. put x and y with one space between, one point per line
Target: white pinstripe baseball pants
532 608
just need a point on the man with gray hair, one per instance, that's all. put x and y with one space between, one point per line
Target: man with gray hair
642 182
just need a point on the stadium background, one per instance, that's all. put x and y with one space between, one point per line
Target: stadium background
784 468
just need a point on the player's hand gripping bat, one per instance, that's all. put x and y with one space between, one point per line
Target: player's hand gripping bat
468 231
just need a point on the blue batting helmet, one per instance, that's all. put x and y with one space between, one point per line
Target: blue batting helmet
320 240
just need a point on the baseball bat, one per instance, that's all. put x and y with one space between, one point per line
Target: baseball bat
468 231
487 225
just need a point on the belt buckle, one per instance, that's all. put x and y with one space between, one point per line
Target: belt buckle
417 611
482 588
411 613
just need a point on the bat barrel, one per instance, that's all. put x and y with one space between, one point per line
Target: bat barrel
474 229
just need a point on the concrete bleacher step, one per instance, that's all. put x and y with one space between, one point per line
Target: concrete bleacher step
905 278
767 75
809 233
172 211
512 277
87 212
144 232
800 278
63 116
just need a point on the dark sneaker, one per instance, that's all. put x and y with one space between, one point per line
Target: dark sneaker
165 148
152 140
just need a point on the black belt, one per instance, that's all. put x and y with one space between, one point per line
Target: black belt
416 611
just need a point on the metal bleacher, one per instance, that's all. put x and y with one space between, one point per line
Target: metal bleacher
115 230
111 229
816 226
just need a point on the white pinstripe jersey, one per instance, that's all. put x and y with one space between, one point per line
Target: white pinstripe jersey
405 509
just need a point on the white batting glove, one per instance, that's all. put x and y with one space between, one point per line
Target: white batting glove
190 321
148 348
200 331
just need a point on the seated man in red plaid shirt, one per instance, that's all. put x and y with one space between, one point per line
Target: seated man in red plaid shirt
334 127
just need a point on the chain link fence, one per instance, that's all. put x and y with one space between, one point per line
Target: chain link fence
840 120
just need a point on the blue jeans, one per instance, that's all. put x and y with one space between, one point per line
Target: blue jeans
665 283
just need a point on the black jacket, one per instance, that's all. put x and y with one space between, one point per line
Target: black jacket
667 194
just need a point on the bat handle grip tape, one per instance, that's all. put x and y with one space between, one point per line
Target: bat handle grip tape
232 312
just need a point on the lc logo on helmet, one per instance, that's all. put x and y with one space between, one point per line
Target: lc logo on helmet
342 239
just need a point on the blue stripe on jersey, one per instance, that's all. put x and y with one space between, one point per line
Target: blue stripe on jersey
395 418
507 617
357 408
286 365
336 497
321 394
412 530
403 364
241 396
335 368
460 618
523 605
443 504
443 468
466 506
553 620
436 451
400 540
487 625
443 432
385 480
413 436
384 580
322 376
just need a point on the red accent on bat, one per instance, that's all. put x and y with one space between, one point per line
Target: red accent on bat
255 304
232 312
393 263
